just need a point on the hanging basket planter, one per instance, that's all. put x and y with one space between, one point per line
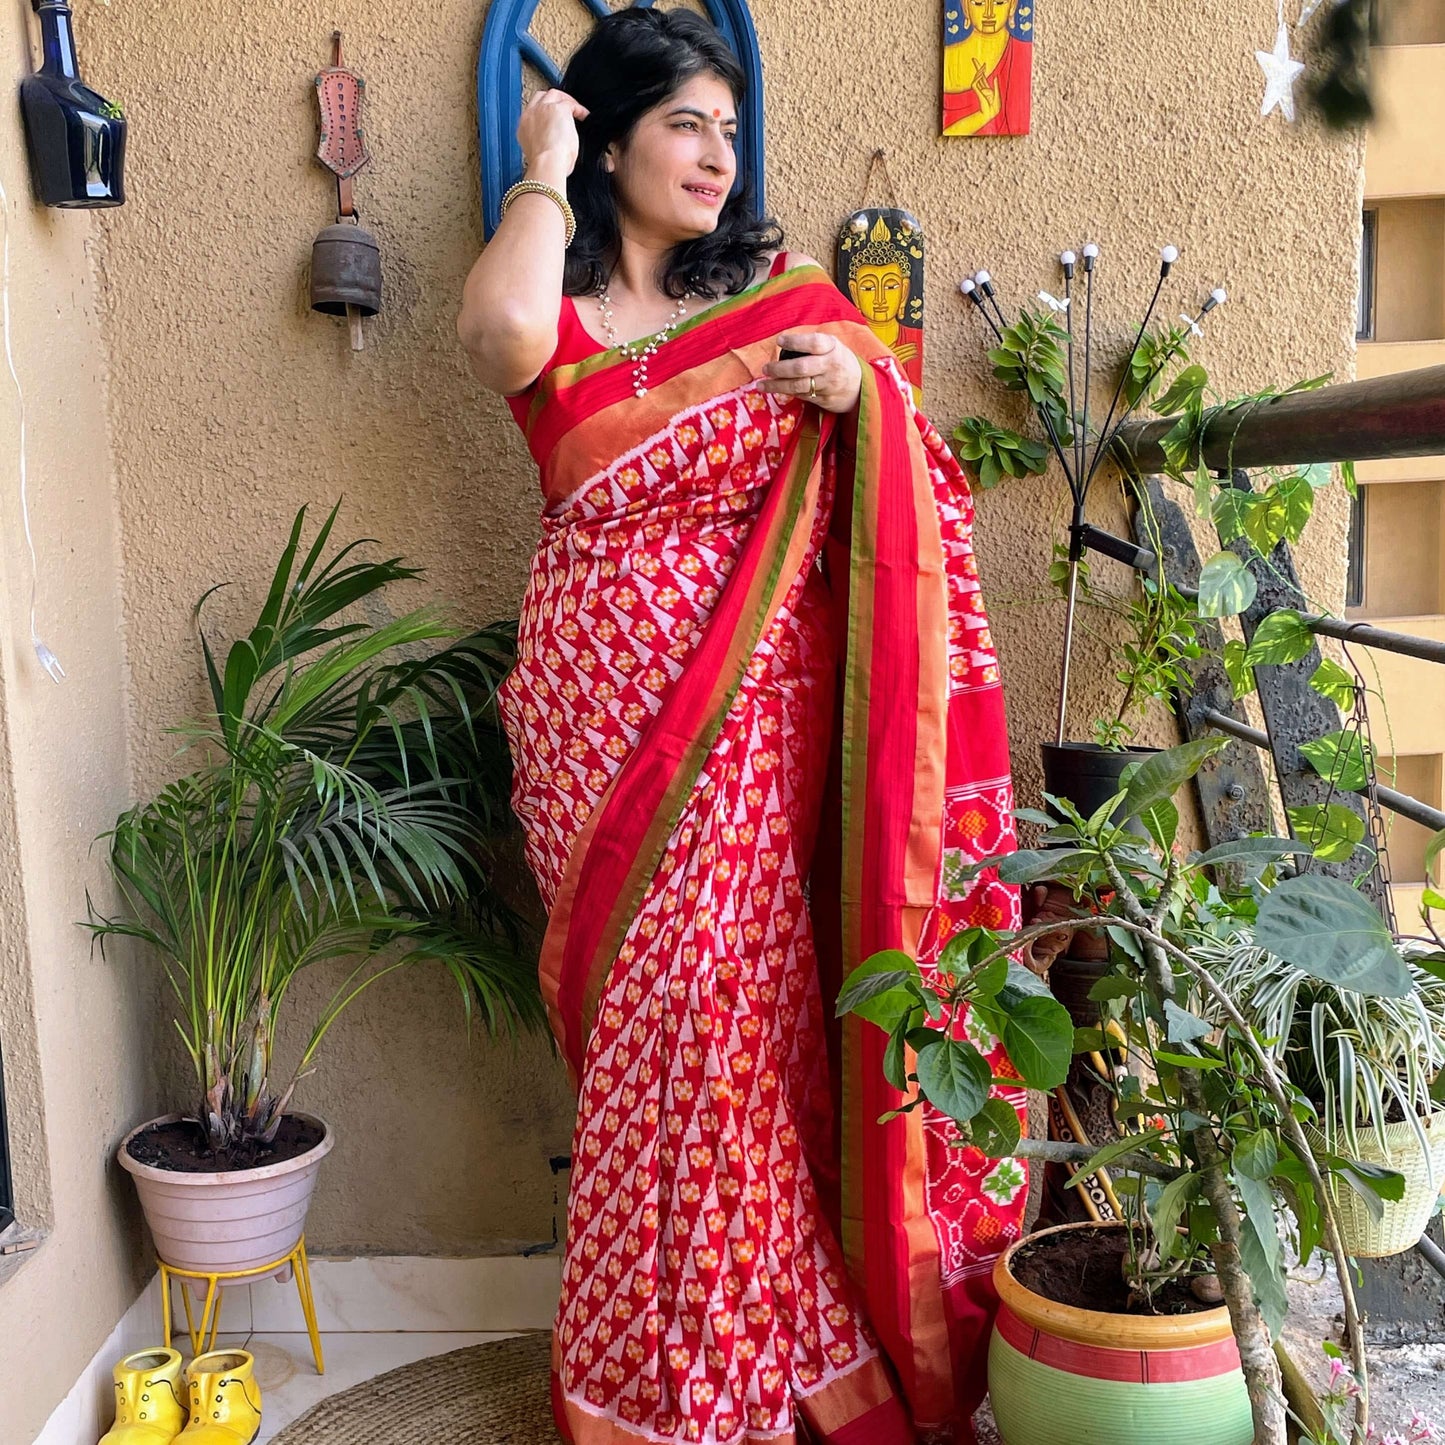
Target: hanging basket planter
1401 1221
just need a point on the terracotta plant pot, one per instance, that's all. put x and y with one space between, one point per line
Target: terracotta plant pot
1402 1221
1059 1375
226 1220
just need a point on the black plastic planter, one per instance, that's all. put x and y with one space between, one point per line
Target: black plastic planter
1088 775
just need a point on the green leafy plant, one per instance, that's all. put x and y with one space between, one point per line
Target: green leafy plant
1218 1159
997 452
1030 358
346 802
1362 1060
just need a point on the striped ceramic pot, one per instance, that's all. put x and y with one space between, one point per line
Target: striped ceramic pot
1058 1375
226 1221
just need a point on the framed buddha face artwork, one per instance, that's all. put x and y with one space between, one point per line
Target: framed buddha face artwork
879 263
988 62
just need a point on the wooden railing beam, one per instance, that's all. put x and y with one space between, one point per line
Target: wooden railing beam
1355 421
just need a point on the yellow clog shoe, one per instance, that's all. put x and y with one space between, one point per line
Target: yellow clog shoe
149 1399
225 1400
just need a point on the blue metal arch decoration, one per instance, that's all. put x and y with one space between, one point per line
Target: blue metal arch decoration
507 42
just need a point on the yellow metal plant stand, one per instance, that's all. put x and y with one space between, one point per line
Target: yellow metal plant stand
203 1335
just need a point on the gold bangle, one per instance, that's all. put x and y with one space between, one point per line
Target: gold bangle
552 194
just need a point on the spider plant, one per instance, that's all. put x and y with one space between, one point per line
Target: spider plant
346 801
1356 1057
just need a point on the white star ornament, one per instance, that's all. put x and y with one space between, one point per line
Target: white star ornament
1280 74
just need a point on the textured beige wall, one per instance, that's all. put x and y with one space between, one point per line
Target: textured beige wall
77 1035
231 405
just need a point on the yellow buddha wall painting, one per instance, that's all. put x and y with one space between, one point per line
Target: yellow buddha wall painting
988 61
880 266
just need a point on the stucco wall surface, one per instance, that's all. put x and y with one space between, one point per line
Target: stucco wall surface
231 404
77 1031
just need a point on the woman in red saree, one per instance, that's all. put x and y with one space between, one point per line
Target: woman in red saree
757 729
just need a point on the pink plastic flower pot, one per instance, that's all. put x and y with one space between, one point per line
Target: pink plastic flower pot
227 1220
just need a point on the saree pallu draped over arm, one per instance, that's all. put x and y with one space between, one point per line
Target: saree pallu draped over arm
758 730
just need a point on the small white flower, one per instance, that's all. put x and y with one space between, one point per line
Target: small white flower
1053 302
1192 324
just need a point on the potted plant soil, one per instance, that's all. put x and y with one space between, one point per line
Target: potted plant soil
1215 1165
339 808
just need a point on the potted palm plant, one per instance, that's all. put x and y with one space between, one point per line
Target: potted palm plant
342 804
1216 1160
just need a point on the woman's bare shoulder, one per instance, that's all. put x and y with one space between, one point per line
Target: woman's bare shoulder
795 259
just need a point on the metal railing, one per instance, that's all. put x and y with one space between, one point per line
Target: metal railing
1385 418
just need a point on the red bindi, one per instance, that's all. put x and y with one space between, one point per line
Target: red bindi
716 113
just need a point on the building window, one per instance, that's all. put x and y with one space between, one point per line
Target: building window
1355 573
1365 302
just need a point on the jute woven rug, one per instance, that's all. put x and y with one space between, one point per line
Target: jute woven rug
492 1394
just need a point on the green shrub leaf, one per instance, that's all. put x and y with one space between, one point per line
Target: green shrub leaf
1324 927
954 1077
1039 1036
996 1129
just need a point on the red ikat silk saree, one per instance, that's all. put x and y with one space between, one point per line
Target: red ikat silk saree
757 727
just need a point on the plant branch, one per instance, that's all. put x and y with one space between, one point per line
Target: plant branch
1053 1151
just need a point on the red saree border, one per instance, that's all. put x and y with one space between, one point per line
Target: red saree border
1134 1367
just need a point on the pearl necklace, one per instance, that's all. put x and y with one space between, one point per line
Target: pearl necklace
638 351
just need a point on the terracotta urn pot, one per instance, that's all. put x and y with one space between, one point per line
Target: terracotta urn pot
1060 1375
226 1221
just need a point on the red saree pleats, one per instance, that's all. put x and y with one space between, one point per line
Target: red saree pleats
685 671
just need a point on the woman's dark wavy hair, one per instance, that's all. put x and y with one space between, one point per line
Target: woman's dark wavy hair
631 62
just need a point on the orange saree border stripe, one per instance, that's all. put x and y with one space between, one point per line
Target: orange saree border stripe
894 765
840 1410
618 850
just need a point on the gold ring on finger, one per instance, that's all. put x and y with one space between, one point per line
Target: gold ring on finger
812 387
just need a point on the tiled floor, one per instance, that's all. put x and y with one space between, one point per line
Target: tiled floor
290 1384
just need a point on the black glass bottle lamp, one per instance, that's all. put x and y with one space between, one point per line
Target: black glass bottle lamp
76 138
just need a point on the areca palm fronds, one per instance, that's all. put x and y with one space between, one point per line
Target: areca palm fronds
1361 1060
348 802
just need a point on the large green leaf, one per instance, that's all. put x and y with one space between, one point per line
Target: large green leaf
1331 680
1324 927
1157 778
878 989
1332 830
1185 390
1342 758
1037 865
1226 586
1258 851
1039 1036
954 1077
996 1129
1281 638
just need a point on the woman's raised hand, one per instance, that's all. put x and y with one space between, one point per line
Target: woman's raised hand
828 375
548 127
